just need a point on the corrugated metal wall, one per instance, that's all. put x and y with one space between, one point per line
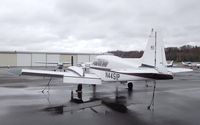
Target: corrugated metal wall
92 57
54 58
83 58
24 59
67 58
36 58
8 59
33 59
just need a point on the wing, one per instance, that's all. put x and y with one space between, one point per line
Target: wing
47 73
70 76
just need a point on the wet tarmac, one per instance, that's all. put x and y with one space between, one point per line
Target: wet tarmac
177 102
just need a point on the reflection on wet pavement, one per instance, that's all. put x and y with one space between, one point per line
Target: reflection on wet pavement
176 103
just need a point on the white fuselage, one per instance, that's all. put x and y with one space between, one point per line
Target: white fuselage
112 68
112 76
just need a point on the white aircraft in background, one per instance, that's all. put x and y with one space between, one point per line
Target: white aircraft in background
170 64
109 68
60 65
191 64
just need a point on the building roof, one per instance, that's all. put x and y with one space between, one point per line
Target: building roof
40 52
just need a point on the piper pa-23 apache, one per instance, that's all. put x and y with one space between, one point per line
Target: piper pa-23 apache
109 68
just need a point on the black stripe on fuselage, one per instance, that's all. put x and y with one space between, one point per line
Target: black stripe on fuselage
155 76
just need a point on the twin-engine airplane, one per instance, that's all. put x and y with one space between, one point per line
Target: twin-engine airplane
109 68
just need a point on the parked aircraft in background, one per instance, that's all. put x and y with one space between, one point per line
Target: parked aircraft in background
109 68
191 64
170 64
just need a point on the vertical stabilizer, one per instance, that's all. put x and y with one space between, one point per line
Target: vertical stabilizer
154 54
148 58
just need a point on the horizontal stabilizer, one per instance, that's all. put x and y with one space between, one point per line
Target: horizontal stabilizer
178 70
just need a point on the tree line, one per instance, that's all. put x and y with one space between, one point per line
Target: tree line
178 54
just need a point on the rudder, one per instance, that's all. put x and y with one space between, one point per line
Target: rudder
154 54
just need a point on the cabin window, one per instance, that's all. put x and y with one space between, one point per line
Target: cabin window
105 63
99 62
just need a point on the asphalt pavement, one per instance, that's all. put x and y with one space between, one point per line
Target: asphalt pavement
22 102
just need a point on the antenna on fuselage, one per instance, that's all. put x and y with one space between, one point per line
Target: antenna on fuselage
155 48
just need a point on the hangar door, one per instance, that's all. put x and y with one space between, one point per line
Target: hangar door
38 58
53 58
8 59
83 58
23 59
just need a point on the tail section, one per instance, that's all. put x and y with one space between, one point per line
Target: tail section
154 54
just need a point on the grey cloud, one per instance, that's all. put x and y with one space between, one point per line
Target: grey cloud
95 25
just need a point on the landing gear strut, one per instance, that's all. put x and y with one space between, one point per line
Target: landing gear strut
146 85
94 91
130 86
79 95
79 91
48 84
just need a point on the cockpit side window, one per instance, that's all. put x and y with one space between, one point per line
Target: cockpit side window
105 63
100 62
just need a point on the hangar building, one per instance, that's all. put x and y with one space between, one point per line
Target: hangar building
31 59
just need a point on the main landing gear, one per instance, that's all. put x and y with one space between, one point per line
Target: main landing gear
48 85
79 91
130 86
79 99
79 95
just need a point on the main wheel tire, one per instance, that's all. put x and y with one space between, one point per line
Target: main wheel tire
79 91
79 88
130 86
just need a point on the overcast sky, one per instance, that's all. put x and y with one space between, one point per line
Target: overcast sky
96 25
